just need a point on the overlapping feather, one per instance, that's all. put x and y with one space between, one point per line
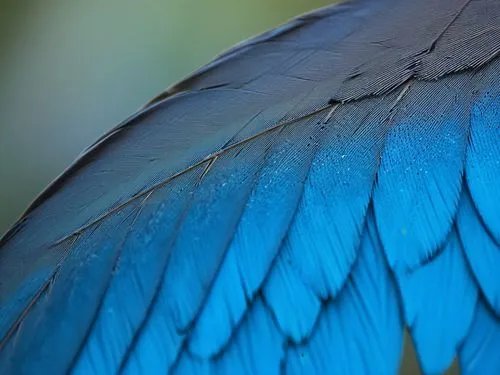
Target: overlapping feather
288 208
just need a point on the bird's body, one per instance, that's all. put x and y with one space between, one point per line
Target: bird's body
290 207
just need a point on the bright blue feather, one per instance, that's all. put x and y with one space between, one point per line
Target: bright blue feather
479 353
439 300
137 276
482 252
258 346
256 337
483 161
294 304
325 234
82 273
361 331
420 176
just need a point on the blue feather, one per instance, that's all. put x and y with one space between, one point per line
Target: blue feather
325 234
439 300
479 353
361 331
239 222
420 176
483 161
70 301
294 305
196 257
136 275
256 242
256 348
12 308
482 252
189 364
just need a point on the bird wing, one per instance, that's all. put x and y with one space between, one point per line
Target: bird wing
293 206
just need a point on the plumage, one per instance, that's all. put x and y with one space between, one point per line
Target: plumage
291 207
257 239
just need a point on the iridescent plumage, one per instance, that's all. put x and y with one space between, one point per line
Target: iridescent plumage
290 207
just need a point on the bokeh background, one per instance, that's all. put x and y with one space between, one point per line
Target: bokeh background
70 70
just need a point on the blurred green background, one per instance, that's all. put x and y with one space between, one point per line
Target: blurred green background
70 70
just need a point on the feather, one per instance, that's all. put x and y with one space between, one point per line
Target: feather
479 353
325 233
137 275
294 304
361 331
479 19
252 217
483 253
439 300
197 254
483 163
256 337
74 293
420 175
